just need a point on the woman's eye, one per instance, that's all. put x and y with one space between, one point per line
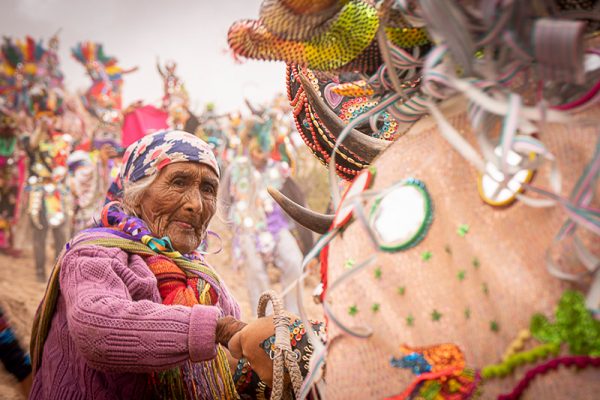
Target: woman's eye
208 188
179 182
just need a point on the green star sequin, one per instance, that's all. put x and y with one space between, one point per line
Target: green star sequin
377 273
375 307
461 275
410 320
462 230
426 256
476 263
401 290
436 315
485 289
494 327
349 264
467 313
353 310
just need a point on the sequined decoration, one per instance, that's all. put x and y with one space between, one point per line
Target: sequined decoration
353 89
387 221
349 35
413 361
407 37
313 132
340 36
440 370
353 108
299 341
574 325
299 20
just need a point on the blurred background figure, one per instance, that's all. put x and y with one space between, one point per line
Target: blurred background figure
47 150
12 177
15 360
262 233
91 173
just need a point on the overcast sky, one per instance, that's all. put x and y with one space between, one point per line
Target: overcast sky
191 32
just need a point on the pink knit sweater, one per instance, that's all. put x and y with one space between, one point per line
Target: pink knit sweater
110 329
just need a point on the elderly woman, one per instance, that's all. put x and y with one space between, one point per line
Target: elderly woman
131 310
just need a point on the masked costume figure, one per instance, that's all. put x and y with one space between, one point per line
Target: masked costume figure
12 177
261 230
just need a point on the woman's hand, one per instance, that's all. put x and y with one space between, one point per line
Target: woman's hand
226 328
247 343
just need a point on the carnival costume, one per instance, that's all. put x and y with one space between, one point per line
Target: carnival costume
175 99
103 99
449 264
90 178
261 230
34 88
12 178
48 205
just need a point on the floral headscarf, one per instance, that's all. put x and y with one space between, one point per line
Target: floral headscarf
147 156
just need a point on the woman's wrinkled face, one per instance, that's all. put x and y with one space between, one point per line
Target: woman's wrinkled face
180 203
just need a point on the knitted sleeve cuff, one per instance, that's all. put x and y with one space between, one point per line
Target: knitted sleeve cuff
202 336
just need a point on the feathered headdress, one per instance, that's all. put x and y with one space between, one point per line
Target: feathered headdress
89 52
27 53
105 93
26 77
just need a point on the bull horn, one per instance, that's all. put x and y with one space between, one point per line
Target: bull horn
316 222
357 142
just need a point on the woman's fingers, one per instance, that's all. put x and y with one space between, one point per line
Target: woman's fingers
251 344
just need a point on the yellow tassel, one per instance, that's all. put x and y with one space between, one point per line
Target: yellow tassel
225 372
204 296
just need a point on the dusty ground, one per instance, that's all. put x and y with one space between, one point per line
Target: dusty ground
20 294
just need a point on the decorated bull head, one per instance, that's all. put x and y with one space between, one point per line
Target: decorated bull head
317 110
469 252
333 36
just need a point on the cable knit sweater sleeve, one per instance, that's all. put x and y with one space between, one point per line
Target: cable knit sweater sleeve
115 318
